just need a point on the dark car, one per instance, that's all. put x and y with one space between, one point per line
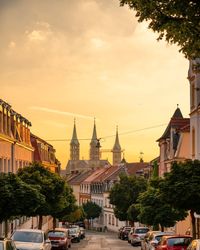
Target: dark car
75 234
7 244
60 238
82 231
124 233
176 242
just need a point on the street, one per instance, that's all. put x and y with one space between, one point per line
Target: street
105 241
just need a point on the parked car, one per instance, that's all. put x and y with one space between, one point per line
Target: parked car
174 242
138 235
31 239
75 234
124 233
120 231
82 230
194 245
130 234
7 244
60 238
152 241
147 237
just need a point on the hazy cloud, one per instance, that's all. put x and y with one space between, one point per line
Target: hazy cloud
61 112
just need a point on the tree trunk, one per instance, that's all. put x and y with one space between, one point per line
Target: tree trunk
54 222
162 228
6 228
40 222
193 224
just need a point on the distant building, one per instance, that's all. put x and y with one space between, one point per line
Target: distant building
174 143
15 147
94 161
16 150
44 153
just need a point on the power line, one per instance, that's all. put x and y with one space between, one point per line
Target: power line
104 137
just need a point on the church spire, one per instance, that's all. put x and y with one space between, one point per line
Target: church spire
117 145
94 150
74 144
94 134
116 150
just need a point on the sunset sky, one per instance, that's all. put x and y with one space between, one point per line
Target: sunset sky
66 59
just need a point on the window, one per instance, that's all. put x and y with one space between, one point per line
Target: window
113 220
109 219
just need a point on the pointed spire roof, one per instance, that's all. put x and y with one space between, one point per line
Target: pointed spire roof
176 116
94 134
117 145
177 113
74 140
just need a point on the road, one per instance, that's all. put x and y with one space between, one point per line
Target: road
102 241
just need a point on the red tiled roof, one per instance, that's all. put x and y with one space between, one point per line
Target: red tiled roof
106 173
133 167
94 175
80 177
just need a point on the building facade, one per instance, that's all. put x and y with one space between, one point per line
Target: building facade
44 153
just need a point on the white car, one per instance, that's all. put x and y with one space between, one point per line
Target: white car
138 235
31 239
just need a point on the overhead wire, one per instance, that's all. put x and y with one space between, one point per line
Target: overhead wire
108 136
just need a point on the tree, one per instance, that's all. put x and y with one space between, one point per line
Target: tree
124 194
91 210
51 185
177 21
154 210
15 198
181 188
155 173
65 206
77 215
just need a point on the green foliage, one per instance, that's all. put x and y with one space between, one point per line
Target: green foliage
91 209
59 199
155 210
124 194
77 215
155 170
133 213
181 186
17 198
66 204
178 21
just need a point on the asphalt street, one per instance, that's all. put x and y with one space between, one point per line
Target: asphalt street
103 241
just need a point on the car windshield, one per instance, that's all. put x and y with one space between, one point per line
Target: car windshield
141 230
1 245
158 237
72 230
179 241
28 236
56 234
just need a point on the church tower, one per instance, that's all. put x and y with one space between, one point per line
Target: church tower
94 149
74 145
116 150
194 79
